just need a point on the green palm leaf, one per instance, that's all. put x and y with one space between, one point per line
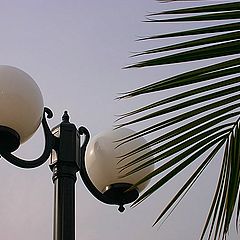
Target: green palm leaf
194 43
215 29
196 121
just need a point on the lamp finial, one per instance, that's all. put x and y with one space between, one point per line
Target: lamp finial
65 117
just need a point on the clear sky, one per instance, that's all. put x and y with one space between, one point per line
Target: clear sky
75 51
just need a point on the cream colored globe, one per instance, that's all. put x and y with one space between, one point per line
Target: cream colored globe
21 102
102 159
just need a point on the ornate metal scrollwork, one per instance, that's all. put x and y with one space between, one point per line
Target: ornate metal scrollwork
49 144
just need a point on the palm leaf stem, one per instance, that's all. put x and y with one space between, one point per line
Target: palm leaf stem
216 200
214 51
203 41
183 116
209 8
164 124
196 153
205 17
214 29
189 183
194 127
186 94
167 83
200 143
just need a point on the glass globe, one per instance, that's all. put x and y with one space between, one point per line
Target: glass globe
102 161
21 107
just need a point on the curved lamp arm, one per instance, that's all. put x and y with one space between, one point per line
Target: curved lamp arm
49 144
83 171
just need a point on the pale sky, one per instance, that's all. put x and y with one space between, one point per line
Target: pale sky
75 51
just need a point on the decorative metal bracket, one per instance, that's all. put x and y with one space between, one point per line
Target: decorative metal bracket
83 171
49 145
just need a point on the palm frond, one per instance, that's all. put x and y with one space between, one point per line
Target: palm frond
200 118
229 27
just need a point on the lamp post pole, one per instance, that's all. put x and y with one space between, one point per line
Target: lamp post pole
64 177
67 158
20 98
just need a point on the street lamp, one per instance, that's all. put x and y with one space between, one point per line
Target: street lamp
22 111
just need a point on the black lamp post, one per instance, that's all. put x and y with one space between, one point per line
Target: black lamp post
65 145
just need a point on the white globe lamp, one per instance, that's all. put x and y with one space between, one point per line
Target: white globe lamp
21 107
103 165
